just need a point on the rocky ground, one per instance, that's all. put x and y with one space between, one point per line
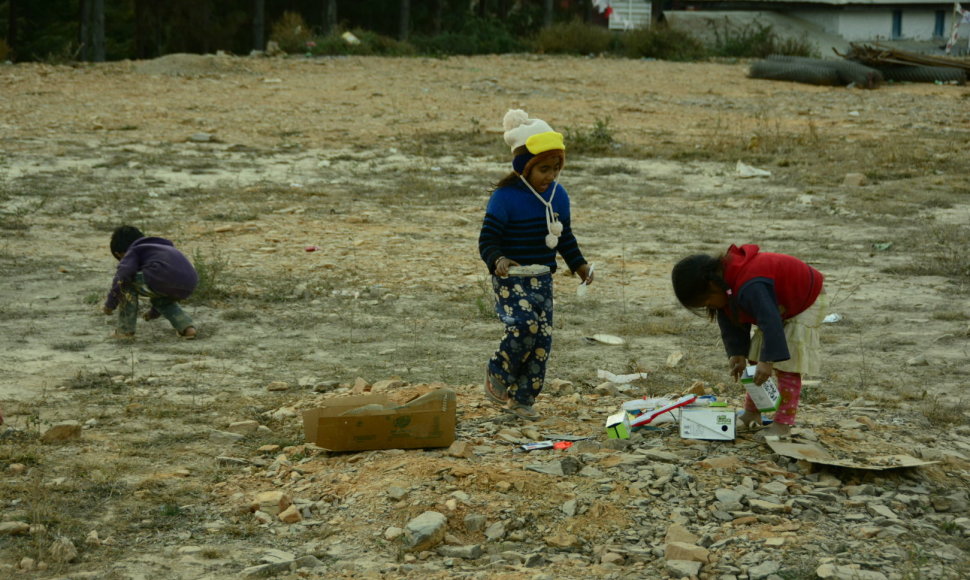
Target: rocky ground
161 458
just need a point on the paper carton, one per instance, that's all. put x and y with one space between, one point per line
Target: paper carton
360 423
716 423
766 396
617 426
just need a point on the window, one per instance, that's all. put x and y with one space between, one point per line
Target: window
897 24
938 24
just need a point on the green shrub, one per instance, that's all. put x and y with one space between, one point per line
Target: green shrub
4 50
211 270
291 33
475 36
574 38
369 44
754 40
662 42
599 139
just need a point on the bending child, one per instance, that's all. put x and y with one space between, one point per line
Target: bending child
779 294
153 268
526 222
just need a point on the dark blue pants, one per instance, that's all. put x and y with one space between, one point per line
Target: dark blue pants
524 305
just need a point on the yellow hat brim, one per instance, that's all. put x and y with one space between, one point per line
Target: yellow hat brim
542 142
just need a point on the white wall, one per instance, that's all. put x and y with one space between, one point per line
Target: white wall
864 24
867 24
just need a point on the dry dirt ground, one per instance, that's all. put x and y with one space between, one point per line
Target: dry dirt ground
385 165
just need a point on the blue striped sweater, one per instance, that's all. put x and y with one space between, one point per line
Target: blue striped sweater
515 227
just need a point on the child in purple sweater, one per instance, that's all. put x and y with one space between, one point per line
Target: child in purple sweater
153 268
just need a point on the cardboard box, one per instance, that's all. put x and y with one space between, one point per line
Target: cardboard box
428 421
617 426
715 423
766 396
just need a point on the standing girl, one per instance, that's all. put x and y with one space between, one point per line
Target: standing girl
526 222
782 296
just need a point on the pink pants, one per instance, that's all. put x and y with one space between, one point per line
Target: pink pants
790 386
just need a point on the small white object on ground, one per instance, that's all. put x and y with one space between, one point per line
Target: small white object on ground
745 171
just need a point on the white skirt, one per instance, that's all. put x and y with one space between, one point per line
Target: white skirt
801 332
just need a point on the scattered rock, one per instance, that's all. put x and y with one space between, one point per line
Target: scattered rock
290 515
271 502
674 359
425 531
243 427
854 180
62 550
683 568
13 528
64 431
461 449
685 551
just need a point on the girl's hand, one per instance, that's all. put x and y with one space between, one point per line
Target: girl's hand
502 266
585 273
737 365
107 310
763 372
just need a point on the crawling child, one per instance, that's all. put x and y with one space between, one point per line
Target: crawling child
153 268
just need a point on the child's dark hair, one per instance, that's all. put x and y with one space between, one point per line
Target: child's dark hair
123 237
692 278
510 179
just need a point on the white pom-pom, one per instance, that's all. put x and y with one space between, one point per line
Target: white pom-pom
555 228
514 118
552 241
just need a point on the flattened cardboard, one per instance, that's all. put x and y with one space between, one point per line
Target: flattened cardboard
711 423
411 426
815 453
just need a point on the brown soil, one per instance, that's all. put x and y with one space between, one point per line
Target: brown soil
385 165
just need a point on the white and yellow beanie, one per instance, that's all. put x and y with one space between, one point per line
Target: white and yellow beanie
533 138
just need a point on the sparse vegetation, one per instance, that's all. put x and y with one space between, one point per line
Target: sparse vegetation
754 40
574 38
590 141
213 270
662 42
291 33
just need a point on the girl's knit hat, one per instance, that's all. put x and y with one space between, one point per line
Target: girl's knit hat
535 137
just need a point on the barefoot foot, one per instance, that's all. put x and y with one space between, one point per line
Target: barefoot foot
189 333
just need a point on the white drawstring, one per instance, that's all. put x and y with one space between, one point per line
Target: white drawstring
553 225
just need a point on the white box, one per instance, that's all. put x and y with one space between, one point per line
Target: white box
716 423
766 396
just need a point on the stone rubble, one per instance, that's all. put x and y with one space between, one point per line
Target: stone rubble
655 505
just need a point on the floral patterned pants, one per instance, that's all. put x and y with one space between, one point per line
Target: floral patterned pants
524 305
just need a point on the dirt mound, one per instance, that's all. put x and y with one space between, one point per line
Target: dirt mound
191 65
